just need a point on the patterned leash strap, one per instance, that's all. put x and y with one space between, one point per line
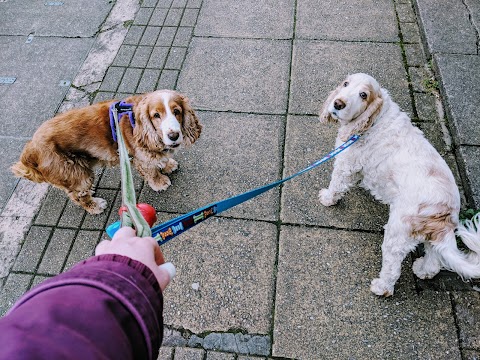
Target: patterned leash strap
172 228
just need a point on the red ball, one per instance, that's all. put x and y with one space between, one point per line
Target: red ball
148 212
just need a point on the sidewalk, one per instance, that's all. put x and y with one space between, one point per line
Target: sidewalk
279 277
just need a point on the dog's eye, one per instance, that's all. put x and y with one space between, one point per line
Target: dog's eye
176 112
363 95
345 84
157 115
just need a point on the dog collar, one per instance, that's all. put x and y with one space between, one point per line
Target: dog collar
122 108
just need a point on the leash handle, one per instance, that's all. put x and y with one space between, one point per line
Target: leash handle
172 228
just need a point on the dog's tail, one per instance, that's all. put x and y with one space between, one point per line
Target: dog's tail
27 167
466 264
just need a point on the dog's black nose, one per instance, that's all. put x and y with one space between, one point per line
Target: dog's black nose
338 104
174 136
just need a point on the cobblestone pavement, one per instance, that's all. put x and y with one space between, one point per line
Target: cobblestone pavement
279 277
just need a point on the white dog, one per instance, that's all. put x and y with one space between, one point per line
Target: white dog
399 167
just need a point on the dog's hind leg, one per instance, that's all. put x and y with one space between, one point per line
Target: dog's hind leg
429 265
396 245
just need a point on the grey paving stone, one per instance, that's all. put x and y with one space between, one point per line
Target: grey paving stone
460 87
421 79
346 20
237 74
69 20
148 81
83 247
175 58
166 353
12 290
194 3
467 310
189 17
214 355
130 80
173 17
168 79
112 78
179 3
52 207
405 13
149 3
166 36
202 178
240 294
410 33
10 150
124 55
189 354
324 304
164 3
470 166
158 17
271 19
57 251
134 35
473 8
442 22
32 249
149 37
183 36
143 16
426 107
102 96
158 57
470 354
39 67
37 280
141 57
173 338
319 66
415 55
307 141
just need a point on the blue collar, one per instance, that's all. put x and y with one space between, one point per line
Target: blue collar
122 108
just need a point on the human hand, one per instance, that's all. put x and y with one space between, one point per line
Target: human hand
145 250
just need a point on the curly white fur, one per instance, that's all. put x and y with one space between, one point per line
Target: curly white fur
395 162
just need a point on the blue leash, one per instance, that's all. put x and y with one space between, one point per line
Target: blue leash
170 229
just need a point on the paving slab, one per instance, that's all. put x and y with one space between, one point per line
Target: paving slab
9 148
68 19
467 158
224 277
324 307
242 75
460 87
307 141
467 311
271 19
346 20
40 67
235 153
447 27
319 66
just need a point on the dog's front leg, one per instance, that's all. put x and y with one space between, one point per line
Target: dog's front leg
151 173
170 166
343 178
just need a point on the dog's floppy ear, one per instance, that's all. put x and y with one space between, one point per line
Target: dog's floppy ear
325 116
191 127
364 121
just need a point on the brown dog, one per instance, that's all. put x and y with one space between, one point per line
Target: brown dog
65 149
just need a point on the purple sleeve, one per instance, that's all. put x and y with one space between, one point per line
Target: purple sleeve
106 307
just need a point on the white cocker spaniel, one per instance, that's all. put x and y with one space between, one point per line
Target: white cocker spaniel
395 162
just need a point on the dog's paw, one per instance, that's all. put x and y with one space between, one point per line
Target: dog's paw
171 166
378 287
326 197
160 182
96 206
425 270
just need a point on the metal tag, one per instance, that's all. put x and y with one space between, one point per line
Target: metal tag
29 39
64 83
7 80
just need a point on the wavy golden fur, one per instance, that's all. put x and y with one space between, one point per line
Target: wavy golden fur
65 149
